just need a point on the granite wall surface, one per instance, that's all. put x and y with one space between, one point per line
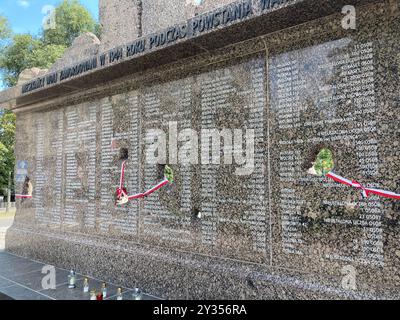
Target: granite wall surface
260 227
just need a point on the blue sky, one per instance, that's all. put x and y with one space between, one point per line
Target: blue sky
25 16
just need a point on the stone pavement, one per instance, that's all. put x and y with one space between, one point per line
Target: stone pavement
21 279
5 223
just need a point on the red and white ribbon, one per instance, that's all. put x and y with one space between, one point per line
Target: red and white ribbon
150 191
23 196
366 192
121 179
121 191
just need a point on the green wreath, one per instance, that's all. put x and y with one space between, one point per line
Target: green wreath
323 163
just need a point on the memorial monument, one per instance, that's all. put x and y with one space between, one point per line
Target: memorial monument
280 123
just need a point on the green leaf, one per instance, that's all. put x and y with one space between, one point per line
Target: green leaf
169 173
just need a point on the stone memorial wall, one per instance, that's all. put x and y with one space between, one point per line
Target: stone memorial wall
244 217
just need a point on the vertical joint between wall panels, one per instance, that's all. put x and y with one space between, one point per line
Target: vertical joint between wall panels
266 52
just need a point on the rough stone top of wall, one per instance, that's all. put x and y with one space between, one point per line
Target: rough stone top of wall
126 20
120 21
159 14
84 46
142 34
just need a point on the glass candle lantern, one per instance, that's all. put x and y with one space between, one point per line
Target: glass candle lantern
137 294
72 280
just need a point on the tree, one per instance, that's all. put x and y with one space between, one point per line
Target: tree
7 125
72 19
26 51
4 28
7 140
4 32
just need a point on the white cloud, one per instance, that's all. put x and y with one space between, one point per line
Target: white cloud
24 3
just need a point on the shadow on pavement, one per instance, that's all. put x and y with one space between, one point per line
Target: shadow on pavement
4 297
